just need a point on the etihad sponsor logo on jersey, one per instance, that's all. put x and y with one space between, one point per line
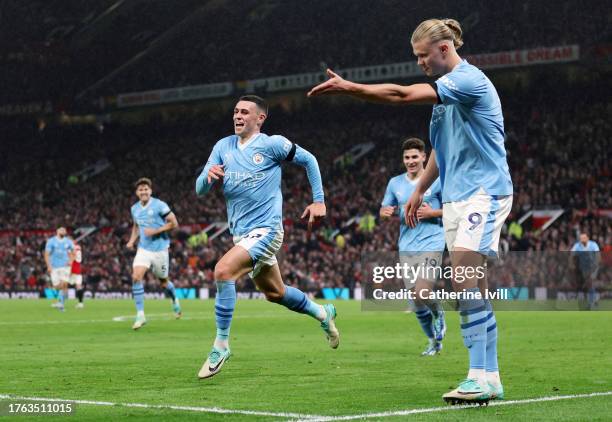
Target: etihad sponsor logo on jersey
243 178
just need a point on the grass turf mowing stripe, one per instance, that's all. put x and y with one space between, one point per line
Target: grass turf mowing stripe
446 408
168 407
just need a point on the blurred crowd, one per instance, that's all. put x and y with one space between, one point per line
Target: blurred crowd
558 154
102 48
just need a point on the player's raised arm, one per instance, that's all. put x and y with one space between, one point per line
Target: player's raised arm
213 170
377 93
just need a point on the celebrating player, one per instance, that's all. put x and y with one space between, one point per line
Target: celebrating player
249 166
153 220
420 246
58 251
467 135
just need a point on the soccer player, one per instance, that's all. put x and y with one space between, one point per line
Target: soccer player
153 220
423 245
587 257
467 135
58 252
248 164
76 277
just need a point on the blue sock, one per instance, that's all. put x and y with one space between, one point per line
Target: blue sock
425 317
60 297
170 291
297 301
473 314
225 302
138 292
491 365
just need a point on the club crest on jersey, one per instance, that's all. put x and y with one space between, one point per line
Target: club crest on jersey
150 212
258 158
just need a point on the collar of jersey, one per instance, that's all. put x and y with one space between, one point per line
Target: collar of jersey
412 182
248 142
148 203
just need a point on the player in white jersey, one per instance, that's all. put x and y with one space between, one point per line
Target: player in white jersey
248 165
153 220
467 135
422 246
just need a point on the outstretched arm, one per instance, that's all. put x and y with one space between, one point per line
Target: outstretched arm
377 93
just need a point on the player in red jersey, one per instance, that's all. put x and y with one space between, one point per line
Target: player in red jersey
76 276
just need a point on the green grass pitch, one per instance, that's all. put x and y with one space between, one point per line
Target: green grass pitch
281 362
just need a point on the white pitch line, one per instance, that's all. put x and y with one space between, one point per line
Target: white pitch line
123 318
286 415
447 408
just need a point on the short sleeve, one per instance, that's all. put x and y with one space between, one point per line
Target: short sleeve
280 147
164 209
594 247
389 200
461 86
49 245
215 155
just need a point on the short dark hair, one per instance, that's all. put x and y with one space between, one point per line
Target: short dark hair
261 103
143 181
413 143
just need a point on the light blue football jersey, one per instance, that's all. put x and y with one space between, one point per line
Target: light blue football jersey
586 255
252 181
152 215
467 133
590 247
58 250
428 235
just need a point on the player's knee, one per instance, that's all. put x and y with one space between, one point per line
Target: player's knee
223 271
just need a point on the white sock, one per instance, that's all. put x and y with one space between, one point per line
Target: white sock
478 374
140 314
221 344
493 378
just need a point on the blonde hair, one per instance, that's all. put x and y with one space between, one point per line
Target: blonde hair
438 30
